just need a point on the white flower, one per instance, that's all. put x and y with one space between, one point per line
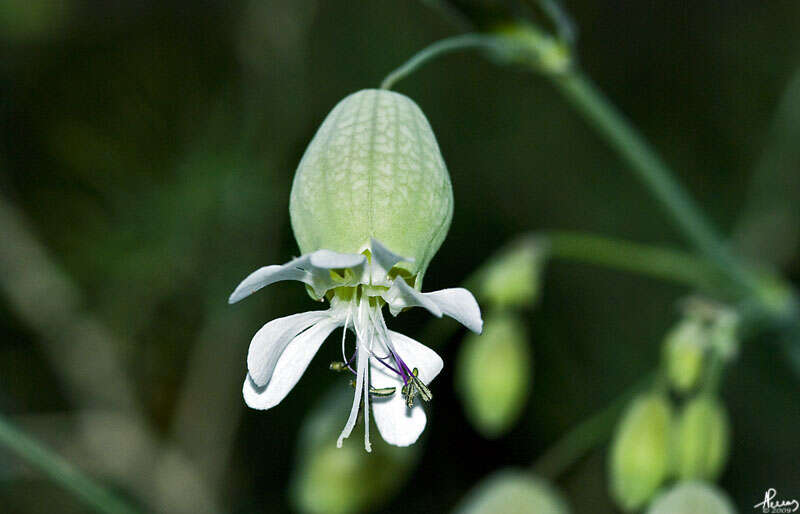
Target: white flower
373 171
391 370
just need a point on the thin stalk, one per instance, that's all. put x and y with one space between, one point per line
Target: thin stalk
617 254
60 471
624 138
652 171
662 263
444 46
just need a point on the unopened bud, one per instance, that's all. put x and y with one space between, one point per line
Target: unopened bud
690 498
513 278
511 492
493 374
373 170
640 451
527 45
702 438
684 349
725 335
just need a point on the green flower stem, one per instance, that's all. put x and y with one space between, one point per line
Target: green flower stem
444 46
662 263
610 123
61 471
621 135
666 264
588 434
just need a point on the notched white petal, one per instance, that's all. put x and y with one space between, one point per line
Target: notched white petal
384 257
290 367
417 355
459 304
398 424
271 340
401 295
267 275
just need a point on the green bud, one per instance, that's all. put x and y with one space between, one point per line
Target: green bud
513 278
692 497
684 349
702 438
512 492
331 480
373 170
493 374
528 45
639 460
725 334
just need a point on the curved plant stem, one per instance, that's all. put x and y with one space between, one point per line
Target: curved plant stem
622 136
617 254
652 171
663 263
61 471
452 44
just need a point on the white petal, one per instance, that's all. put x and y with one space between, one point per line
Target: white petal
267 275
290 367
417 355
333 260
398 424
402 295
384 257
270 341
459 304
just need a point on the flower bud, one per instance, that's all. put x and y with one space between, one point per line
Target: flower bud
331 480
373 170
493 374
639 460
691 497
513 278
702 437
725 335
527 45
510 492
684 348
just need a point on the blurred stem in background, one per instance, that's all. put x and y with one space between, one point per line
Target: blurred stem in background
61 471
597 250
523 44
85 354
663 263
652 171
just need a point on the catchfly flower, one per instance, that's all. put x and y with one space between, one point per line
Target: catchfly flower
370 205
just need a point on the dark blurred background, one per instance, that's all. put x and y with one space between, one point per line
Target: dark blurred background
146 156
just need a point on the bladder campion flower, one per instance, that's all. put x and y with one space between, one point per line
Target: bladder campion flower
370 205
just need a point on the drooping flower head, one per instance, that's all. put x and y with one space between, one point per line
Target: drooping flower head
370 205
